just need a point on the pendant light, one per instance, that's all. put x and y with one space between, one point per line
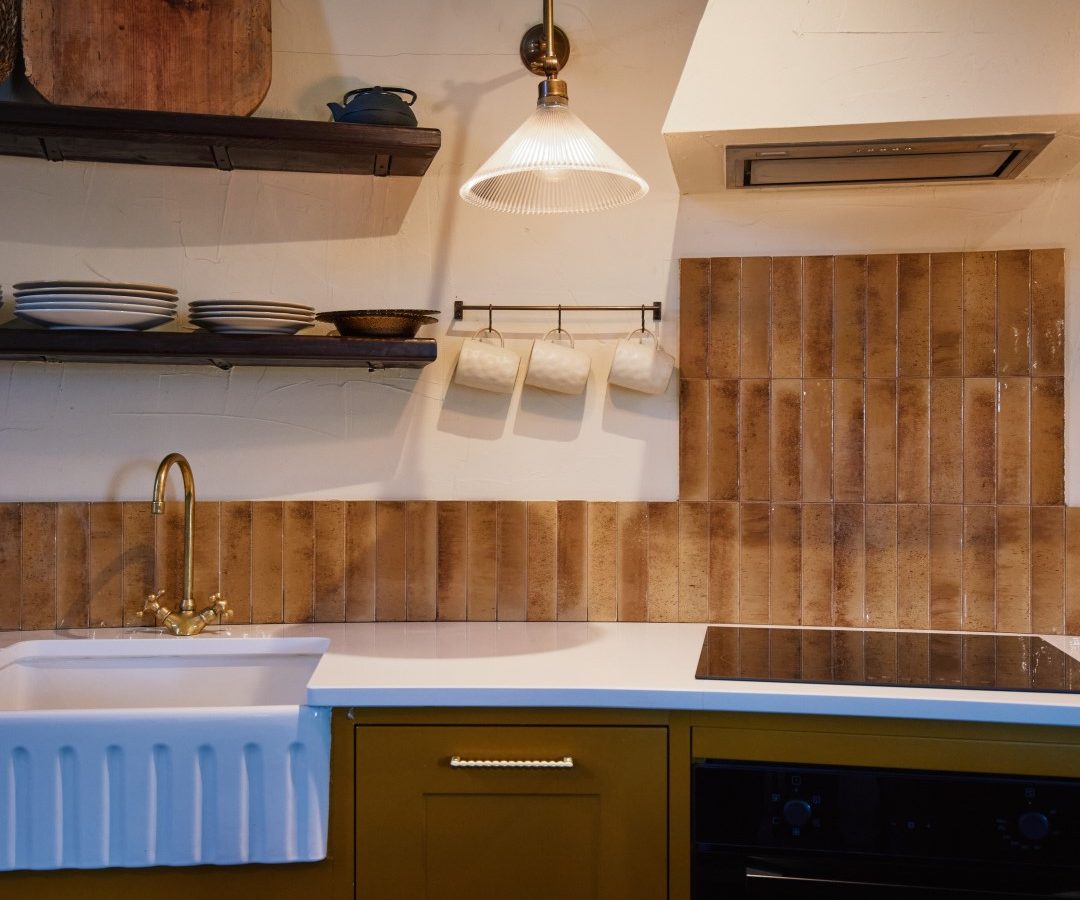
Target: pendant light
553 163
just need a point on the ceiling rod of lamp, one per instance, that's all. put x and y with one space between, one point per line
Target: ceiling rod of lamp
553 163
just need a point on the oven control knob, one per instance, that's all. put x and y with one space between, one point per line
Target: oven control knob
797 813
1033 826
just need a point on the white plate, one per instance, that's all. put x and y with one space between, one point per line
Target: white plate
273 317
254 327
106 320
96 300
97 292
103 307
78 285
277 304
249 311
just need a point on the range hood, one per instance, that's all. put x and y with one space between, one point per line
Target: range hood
798 94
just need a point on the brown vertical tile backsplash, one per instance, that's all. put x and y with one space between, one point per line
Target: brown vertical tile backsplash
864 440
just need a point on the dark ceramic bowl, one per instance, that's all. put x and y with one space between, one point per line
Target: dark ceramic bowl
379 323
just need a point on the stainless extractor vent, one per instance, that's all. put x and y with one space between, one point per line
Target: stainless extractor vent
882 162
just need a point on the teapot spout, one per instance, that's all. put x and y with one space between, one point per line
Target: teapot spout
336 109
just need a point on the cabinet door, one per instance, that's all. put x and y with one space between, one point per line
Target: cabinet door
425 829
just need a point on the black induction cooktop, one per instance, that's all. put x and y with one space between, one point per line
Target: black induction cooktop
900 658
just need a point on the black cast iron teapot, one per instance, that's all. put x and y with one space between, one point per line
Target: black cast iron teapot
376 106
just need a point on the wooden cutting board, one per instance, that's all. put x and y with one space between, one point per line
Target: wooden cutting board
202 56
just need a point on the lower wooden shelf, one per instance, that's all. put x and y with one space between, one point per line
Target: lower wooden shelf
221 350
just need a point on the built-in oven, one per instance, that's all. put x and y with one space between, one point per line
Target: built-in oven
767 830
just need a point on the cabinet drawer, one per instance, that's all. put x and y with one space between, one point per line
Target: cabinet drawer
427 828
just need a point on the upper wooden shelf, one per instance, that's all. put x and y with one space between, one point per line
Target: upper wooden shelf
44 131
221 350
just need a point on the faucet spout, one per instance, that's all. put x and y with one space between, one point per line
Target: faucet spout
157 507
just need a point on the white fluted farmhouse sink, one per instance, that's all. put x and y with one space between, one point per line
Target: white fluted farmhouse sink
187 751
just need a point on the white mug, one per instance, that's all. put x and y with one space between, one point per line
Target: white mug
556 367
485 366
639 366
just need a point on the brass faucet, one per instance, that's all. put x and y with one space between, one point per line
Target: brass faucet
185 621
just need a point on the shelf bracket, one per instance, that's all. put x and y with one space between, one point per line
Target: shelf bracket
52 150
221 157
382 164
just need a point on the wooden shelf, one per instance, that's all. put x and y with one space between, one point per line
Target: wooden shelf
44 131
221 350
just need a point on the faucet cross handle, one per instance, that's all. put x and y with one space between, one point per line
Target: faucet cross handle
151 604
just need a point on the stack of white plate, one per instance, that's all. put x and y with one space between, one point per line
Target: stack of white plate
95 305
251 316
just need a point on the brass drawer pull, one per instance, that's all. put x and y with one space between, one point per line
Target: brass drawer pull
456 762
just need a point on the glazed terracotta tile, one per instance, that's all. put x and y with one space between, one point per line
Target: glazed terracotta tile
693 317
913 314
1072 570
206 550
913 440
1013 312
946 566
10 575
513 565
786 325
880 440
329 572
913 566
817 440
72 565
881 571
785 430
603 540
1013 569
106 565
754 317
723 450
980 547
882 339
817 317
632 564
298 561
1048 569
849 565
946 440
754 564
848 446
849 322
980 314
724 562
694 439
573 596
817 563
980 456
1013 440
453 568
693 588
138 567
360 556
723 350
754 439
1047 312
266 562
482 601
235 554
37 565
390 558
169 553
421 560
946 314
785 565
663 563
1047 441
542 561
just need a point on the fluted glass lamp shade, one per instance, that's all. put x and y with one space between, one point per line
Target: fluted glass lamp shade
554 163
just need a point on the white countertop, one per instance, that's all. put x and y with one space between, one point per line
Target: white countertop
586 664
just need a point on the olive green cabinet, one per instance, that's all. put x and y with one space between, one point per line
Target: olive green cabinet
459 812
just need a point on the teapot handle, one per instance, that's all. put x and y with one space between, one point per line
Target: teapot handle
396 90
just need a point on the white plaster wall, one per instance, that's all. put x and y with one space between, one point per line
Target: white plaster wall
90 432
96 432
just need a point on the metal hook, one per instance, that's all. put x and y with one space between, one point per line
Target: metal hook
642 316
560 318
489 328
